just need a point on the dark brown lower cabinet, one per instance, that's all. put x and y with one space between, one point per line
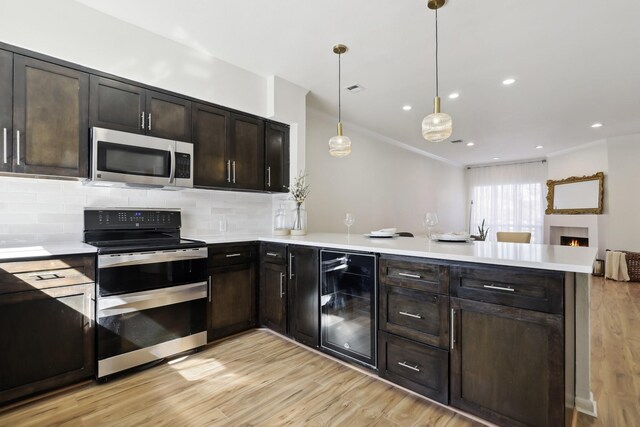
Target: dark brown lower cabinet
232 294
416 366
303 287
47 339
507 364
273 296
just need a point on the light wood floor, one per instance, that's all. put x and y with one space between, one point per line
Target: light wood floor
615 354
253 379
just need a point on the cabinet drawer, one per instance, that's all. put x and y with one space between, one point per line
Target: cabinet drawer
419 315
274 254
415 274
223 255
538 290
23 276
418 367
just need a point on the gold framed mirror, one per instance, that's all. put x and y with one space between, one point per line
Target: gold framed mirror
575 195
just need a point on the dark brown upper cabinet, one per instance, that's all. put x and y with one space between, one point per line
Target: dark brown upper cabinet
247 148
129 108
211 146
50 119
6 109
276 158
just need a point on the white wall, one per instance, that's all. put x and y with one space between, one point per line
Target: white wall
383 185
624 203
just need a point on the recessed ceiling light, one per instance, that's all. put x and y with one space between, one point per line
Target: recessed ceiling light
454 95
596 125
406 107
508 81
470 144
539 146
496 158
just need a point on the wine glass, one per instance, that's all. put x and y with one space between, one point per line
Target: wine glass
430 220
349 219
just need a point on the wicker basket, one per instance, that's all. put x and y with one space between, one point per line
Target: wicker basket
633 265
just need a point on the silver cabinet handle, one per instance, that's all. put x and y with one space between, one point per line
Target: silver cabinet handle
142 121
413 276
234 171
149 122
291 258
4 144
499 288
18 147
415 316
453 328
272 254
232 255
228 170
269 176
281 285
406 365
209 287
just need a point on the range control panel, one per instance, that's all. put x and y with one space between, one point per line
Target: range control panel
103 219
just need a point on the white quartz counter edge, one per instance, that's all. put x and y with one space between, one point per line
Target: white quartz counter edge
544 257
17 253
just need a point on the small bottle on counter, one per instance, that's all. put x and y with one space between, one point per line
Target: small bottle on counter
280 227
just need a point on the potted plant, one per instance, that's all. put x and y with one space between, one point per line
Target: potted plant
482 232
299 192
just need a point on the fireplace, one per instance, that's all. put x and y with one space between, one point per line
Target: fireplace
574 241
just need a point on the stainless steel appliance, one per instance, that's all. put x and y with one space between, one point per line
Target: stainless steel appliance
139 160
151 287
348 301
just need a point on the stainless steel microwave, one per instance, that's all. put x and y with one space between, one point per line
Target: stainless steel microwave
121 158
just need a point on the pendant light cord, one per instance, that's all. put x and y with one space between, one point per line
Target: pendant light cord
339 84
436 51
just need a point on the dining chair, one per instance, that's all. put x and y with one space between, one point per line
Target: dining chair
513 236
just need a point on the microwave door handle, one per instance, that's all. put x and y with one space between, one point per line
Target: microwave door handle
172 174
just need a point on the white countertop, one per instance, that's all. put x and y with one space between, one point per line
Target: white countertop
15 252
546 257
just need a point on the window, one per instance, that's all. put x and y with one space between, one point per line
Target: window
508 198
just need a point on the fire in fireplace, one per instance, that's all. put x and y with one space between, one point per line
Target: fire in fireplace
574 241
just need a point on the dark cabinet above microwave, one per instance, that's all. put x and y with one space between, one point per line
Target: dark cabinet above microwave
128 108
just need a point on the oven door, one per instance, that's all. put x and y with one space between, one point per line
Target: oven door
131 158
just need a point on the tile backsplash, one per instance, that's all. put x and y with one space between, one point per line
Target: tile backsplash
45 210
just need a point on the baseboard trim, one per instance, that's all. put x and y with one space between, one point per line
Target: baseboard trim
587 406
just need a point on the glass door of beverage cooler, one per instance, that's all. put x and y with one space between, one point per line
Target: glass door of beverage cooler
348 305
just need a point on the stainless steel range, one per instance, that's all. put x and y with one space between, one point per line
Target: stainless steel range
151 284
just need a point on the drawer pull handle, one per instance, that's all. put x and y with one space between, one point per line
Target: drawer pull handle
232 255
499 288
272 254
415 316
413 276
406 365
48 276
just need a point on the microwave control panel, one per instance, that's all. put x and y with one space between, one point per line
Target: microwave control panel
183 165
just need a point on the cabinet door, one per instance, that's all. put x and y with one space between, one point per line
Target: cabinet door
116 105
232 301
507 364
247 144
51 343
168 116
210 142
6 109
51 115
273 297
304 294
276 158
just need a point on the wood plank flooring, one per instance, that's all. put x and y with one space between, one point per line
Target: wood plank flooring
615 354
257 378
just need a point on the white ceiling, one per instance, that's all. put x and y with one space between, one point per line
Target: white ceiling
576 62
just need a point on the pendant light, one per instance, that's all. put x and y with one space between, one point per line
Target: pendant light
339 145
436 127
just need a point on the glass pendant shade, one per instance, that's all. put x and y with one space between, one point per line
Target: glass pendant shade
438 126
339 145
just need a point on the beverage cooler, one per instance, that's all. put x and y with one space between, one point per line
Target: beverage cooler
348 301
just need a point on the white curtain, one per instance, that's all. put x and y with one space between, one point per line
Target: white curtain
508 198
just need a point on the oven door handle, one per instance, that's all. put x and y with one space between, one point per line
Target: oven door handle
138 301
123 260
